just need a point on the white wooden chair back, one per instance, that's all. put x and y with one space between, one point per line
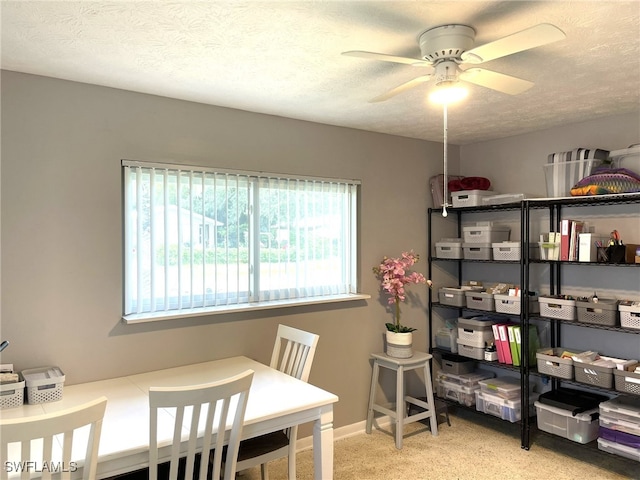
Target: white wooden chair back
224 402
43 429
293 352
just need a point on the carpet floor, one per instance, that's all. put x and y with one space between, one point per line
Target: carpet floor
474 447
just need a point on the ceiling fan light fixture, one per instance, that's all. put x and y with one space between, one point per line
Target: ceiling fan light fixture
447 94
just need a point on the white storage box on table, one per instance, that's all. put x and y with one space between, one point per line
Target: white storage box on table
604 312
562 176
486 233
629 314
511 304
504 387
598 373
459 388
43 384
477 251
581 427
476 332
557 306
550 362
510 410
12 393
446 339
627 382
449 248
469 198
480 300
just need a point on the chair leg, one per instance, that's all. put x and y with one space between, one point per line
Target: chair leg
293 435
264 471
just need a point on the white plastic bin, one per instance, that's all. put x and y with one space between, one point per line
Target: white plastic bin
469 198
476 251
558 307
449 248
486 233
480 301
44 384
629 314
511 304
475 333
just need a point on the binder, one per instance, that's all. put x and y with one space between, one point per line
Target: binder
504 341
518 338
515 358
496 342
565 238
534 343
576 229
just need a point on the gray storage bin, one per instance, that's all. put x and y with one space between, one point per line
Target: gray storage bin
480 301
452 296
604 312
477 251
457 365
597 375
469 351
551 363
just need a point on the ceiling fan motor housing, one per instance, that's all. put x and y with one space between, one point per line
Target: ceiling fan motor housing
446 42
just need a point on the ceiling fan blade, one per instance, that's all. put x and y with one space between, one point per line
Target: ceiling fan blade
416 62
401 88
532 37
496 81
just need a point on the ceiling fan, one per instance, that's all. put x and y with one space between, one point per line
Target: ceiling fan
446 49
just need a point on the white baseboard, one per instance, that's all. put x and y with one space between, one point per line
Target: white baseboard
347 431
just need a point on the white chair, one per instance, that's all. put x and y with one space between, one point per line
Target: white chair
293 354
43 429
225 403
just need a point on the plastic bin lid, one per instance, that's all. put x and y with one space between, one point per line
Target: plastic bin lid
576 401
626 404
36 377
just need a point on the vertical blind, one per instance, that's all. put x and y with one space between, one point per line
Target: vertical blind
199 238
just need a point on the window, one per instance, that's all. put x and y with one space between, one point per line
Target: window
199 240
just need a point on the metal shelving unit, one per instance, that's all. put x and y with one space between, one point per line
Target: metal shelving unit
554 208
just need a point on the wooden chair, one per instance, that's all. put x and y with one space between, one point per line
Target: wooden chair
293 354
225 403
44 428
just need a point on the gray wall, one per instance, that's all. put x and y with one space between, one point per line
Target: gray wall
61 238
62 143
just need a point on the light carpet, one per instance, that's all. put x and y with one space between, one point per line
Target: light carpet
474 447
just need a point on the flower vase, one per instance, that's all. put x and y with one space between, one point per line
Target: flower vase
399 345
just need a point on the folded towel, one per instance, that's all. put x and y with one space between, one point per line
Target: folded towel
475 183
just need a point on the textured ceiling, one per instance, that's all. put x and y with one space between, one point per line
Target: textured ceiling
284 58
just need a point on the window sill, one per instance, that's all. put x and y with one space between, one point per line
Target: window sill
247 307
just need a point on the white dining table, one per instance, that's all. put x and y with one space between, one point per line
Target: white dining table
276 401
